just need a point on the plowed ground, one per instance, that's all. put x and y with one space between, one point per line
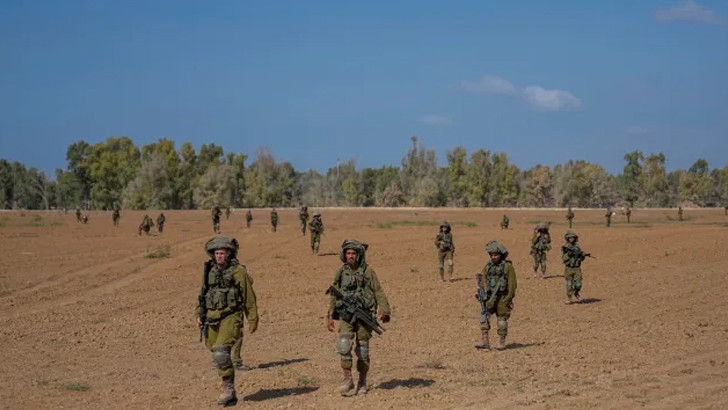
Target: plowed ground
88 322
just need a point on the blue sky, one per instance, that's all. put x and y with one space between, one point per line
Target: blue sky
544 81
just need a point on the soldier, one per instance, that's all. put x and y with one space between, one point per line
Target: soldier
499 282
227 293
78 214
248 217
115 216
227 212
680 213
628 212
303 216
356 278
609 217
216 219
445 250
85 218
160 222
725 210
570 216
505 222
572 256
146 225
317 228
274 219
540 244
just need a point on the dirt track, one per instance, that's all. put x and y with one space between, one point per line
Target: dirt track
80 304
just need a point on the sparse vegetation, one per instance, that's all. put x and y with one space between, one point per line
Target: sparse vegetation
35 220
162 251
307 381
78 387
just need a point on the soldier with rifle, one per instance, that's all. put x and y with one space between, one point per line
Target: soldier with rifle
573 256
496 290
225 295
355 297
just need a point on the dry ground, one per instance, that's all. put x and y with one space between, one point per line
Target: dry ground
88 322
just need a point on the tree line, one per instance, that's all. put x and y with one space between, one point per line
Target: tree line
118 173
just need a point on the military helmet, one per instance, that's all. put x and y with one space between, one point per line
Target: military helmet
221 242
446 224
571 234
496 247
359 247
317 213
543 226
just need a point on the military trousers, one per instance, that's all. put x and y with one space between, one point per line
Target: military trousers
216 225
160 227
356 336
502 309
539 259
570 222
248 223
573 278
315 241
274 225
220 339
442 257
303 227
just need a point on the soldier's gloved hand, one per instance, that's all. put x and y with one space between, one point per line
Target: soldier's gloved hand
330 323
383 316
199 324
253 326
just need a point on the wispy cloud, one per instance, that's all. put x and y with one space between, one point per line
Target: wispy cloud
436 120
489 84
538 97
690 11
550 100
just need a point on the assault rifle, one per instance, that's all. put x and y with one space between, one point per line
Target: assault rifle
202 301
481 295
349 311
577 254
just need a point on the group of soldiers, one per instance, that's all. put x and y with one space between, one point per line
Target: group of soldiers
147 224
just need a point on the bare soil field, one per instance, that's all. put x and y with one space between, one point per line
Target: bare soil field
88 321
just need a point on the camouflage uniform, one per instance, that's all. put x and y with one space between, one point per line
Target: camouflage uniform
680 213
540 244
609 217
227 212
317 228
303 216
570 216
445 250
160 222
499 282
274 219
725 210
628 212
362 281
227 293
78 214
572 256
248 217
505 222
115 216
146 225
216 219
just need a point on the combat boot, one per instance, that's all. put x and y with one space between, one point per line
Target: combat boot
361 387
227 396
501 343
578 297
348 382
484 344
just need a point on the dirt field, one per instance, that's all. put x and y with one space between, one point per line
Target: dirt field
88 322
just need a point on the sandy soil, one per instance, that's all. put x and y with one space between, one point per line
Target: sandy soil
88 322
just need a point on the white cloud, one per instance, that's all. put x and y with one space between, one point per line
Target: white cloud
550 100
690 11
489 84
436 120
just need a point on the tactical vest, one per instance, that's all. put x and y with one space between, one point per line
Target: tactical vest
222 290
574 256
542 243
316 226
357 283
447 238
496 276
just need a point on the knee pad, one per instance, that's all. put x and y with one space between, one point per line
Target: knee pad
362 350
343 344
484 322
221 356
502 324
569 284
441 266
449 263
577 285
